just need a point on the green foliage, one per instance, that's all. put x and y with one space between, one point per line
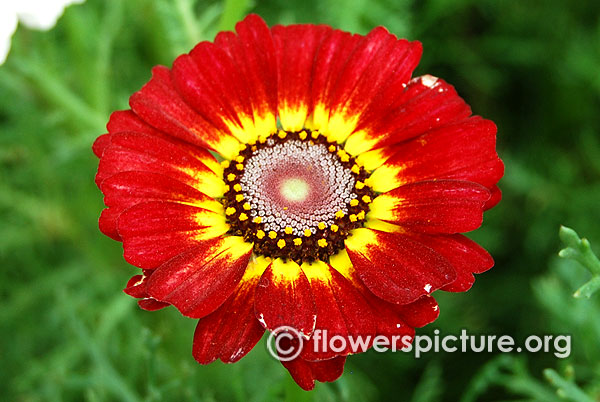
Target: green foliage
580 250
67 332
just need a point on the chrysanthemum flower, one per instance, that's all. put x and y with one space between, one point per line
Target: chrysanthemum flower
297 176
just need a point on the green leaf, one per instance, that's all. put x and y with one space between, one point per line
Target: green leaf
580 250
566 387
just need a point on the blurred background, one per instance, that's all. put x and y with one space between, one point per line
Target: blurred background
67 332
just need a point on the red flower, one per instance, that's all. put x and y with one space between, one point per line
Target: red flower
343 187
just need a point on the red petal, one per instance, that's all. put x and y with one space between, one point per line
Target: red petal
209 81
495 198
461 151
141 152
284 298
232 330
466 256
395 267
444 206
296 47
341 311
378 61
390 324
154 232
136 287
253 53
151 304
306 372
127 189
425 104
121 121
419 313
159 104
126 121
108 223
394 322
100 144
331 58
198 281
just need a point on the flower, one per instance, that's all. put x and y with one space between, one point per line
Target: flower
338 202
35 14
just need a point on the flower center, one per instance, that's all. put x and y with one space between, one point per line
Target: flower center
294 189
295 195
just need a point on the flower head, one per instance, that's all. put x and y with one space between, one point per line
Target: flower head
297 176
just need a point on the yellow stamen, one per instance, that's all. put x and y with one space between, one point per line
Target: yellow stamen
272 234
297 241
230 177
303 135
288 230
281 134
366 199
322 225
281 243
339 214
315 134
239 197
307 232
361 215
359 185
334 228
258 219
230 211
237 187
243 216
353 218
225 164
260 234
246 206
239 159
355 169
344 157
332 148
322 243
353 202
239 166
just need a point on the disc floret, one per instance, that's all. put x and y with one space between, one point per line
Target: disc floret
295 195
